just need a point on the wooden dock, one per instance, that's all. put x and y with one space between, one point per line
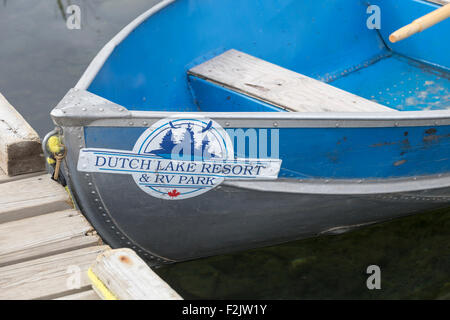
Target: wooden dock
48 250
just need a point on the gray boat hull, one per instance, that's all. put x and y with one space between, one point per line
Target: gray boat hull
238 215
231 217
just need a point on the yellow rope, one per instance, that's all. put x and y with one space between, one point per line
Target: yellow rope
100 286
70 196
54 144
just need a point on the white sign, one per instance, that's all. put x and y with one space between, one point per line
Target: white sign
179 159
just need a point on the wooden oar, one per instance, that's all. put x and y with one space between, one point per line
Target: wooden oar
421 24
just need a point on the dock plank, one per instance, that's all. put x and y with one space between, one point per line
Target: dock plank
20 146
127 277
4 178
85 295
46 247
30 197
49 277
44 235
278 86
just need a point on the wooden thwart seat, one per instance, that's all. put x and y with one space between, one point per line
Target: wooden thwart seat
278 86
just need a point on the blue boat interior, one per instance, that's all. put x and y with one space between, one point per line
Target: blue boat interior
328 40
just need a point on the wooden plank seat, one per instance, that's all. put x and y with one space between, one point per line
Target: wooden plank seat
272 84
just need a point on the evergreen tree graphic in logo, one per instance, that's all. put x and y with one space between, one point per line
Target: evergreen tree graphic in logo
187 140
187 146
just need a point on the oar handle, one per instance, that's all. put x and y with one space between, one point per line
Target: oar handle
421 24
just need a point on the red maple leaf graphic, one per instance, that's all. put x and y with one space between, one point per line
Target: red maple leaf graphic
174 193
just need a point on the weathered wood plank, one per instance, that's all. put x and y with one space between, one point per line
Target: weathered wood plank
85 295
20 146
127 277
4 178
278 86
44 235
50 277
31 197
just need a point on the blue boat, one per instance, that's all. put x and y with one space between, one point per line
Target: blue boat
210 126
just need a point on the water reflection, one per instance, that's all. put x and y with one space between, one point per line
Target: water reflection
88 6
62 8
413 254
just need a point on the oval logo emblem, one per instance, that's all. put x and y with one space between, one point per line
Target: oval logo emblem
194 144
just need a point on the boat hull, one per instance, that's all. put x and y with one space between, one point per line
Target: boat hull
238 215
230 218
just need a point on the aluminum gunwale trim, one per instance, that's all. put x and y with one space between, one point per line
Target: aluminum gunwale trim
264 120
346 187
82 108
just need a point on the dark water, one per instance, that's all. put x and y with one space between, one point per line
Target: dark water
40 59
413 254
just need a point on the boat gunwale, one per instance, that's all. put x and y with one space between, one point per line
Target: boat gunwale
262 119
83 108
